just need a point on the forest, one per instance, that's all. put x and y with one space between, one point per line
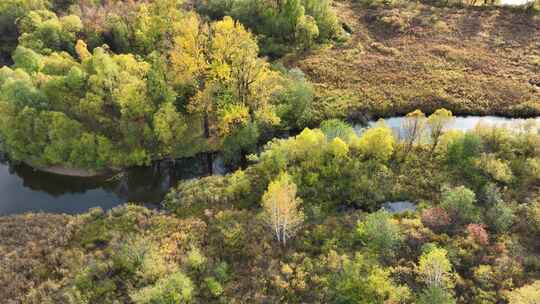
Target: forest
323 200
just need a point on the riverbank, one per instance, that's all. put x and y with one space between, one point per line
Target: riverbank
73 172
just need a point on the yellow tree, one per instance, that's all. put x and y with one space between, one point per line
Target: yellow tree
221 63
434 268
281 208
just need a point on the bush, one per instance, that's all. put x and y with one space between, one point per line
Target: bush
380 233
195 259
434 295
213 286
176 288
437 219
500 217
459 202
335 128
295 101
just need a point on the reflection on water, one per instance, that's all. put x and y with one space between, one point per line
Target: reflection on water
515 2
461 123
23 189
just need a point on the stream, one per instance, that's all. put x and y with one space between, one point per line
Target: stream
24 189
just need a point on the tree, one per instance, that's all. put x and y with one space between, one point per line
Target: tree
281 208
459 202
229 80
176 288
533 216
380 233
44 32
170 128
500 217
10 12
377 143
438 122
528 294
434 268
412 129
362 281
306 32
432 295
334 128
294 101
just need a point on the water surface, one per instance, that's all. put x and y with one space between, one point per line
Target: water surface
24 189
460 123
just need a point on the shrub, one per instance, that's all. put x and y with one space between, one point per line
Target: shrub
434 295
381 48
176 288
335 128
459 202
213 286
195 259
500 217
380 233
435 218
222 272
478 234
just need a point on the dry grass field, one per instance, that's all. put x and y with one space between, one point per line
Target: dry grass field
472 61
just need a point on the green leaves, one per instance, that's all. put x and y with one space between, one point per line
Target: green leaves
380 234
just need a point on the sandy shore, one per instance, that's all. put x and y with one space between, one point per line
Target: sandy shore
61 170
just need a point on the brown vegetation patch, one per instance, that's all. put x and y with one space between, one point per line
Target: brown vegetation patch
471 61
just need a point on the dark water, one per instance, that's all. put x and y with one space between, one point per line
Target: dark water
23 189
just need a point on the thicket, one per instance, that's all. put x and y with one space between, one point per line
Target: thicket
118 84
280 24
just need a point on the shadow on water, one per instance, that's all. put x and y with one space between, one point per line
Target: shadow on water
24 189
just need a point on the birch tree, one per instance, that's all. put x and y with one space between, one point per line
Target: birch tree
281 208
412 128
434 268
438 122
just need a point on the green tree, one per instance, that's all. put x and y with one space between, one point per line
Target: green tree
335 128
437 295
173 289
380 233
170 127
500 217
459 202
306 32
362 281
